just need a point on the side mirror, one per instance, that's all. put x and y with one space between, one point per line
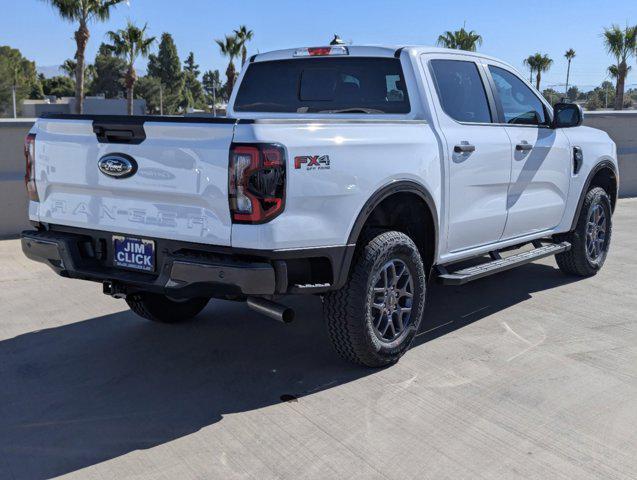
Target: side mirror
567 115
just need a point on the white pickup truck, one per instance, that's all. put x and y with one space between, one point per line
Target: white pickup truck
355 173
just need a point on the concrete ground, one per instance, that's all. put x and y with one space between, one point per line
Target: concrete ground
530 374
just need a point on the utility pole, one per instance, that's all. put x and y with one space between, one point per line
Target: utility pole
214 100
13 91
161 99
15 109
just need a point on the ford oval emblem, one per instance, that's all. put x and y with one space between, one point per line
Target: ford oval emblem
117 165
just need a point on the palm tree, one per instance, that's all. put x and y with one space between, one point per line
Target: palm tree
128 44
83 12
69 66
460 40
613 71
243 36
569 55
530 62
230 47
621 44
538 63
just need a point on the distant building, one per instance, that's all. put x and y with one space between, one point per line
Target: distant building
92 106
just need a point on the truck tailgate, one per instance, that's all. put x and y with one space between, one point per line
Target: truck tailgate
178 191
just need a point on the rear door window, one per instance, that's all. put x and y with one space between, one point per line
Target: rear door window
461 91
324 85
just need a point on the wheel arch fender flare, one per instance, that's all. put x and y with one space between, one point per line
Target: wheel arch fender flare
384 192
604 164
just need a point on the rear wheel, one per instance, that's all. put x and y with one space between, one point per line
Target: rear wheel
162 309
374 318
590 240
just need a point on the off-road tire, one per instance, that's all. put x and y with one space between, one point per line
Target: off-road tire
576 261
160 308
348 311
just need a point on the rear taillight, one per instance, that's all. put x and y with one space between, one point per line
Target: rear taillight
256 182
29 173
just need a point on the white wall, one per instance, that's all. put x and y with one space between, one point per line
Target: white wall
13 197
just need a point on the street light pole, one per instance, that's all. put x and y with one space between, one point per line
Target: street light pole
161 99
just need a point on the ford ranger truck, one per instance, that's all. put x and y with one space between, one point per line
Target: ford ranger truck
350 172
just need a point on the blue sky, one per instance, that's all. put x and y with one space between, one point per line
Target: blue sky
512 29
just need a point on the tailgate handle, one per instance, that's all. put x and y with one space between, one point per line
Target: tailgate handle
132 133
118 134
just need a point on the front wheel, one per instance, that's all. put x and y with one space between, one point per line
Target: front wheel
590 240
374 318
162 309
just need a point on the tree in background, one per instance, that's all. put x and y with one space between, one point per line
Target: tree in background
569 55
213 87
539 64
460 40
551 95
37 90
573 93
613 72
149 89
166 67
109 70
59 86
243 36
230 48
70 66
621 44
530 62
83 12
601 97
129 43
15 70
193 91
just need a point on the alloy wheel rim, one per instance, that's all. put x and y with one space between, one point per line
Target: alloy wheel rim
596 233
392 300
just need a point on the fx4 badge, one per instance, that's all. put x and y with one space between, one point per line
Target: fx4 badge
312 162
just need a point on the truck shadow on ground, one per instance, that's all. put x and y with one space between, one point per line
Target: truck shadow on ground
87 392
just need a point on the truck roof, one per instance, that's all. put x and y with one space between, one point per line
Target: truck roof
367 51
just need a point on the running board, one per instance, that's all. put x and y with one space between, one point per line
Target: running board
465 275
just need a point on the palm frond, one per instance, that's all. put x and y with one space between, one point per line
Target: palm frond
131 42
84 10
229 47
460 39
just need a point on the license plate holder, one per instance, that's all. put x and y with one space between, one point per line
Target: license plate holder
134 253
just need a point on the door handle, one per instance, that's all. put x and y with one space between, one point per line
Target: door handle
464 148
524 147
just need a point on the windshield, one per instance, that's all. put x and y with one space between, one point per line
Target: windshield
324 85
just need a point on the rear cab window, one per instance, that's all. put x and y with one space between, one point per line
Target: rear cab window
324 85
461 91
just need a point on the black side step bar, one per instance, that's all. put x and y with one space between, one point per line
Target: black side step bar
497 265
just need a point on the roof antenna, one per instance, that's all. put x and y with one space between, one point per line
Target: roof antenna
337 40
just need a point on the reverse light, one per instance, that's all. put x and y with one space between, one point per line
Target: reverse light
321 51
29 172
256 182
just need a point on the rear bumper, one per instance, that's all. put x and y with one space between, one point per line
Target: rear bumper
185 270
